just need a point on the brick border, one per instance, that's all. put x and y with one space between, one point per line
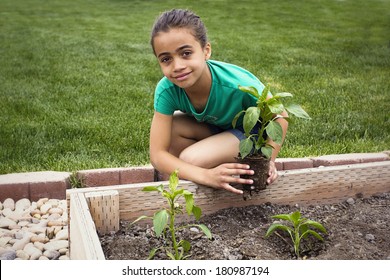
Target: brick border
51 184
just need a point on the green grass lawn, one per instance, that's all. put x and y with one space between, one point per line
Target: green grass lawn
77 77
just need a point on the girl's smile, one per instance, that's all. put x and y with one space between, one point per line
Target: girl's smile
182 77
182 59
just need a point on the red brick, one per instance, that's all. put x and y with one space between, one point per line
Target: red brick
161 176
279 164
296 163
341 159
139 174
373 157
56 190
15 191
100 177
34 185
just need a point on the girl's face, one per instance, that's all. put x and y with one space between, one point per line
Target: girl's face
181 57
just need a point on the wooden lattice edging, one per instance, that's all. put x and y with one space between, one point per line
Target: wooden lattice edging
305 186
83 239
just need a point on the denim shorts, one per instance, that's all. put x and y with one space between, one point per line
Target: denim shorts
238 131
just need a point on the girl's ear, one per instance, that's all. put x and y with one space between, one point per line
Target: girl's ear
207 51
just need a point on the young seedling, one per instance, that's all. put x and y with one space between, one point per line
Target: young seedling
299 230
265 114
164 219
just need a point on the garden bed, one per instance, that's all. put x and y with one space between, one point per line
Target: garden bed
358 229
314 188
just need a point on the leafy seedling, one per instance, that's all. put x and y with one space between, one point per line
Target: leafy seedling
164 219
300 229
265 114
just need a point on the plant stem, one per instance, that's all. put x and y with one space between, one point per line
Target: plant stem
172 229
296 242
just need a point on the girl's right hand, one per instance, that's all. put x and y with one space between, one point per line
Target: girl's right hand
224 175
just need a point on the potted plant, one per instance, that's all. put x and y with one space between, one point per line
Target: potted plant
259 124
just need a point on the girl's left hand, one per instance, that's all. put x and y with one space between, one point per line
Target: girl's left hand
272 173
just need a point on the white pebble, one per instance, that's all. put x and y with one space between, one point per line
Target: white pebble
6 222
9 203
39 245
64 216
22 255
54 217
56 223
33 206
12 241
51 254
42 201
7 212
36 255
63 251
350 201
39 238
32 251
16 226
54 202
24 223
19 244
56 245
62 234
20 234
45 208
34 220
370 237
4 241
22 204
56 210
63 205
23 236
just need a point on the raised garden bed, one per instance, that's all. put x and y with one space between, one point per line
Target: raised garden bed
101 209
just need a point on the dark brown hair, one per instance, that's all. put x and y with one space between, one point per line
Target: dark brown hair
178 18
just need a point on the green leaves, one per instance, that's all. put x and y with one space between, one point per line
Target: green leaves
251 90
297 110
160 221
205 230
173 180
245 146
164 219
267 151
275 132
275 227
301 228
197 212
189 198
264 113
251 117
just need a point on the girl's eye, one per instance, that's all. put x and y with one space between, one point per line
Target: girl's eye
186 53
165 59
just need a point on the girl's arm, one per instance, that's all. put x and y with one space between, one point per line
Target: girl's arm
162 160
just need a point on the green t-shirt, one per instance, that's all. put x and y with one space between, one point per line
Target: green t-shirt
225 99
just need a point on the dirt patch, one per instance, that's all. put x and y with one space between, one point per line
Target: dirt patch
357 229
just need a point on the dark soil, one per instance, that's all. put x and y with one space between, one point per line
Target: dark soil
260 165
358 229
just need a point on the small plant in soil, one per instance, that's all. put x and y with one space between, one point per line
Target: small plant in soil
260 125
300 229
164 219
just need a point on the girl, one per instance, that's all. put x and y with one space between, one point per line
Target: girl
195 103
